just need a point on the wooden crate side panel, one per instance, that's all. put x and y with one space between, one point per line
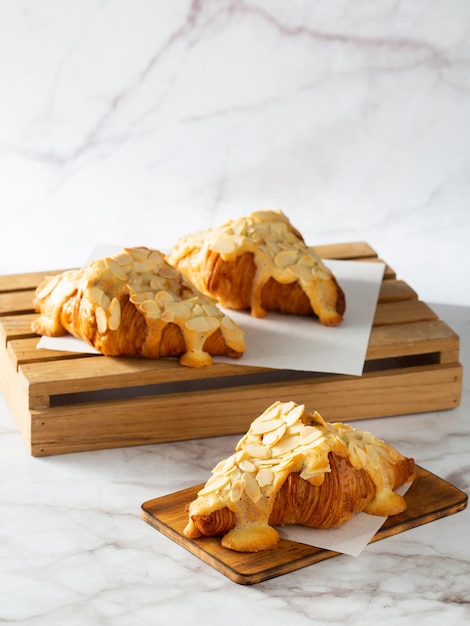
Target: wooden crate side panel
99 372
16 396
218 412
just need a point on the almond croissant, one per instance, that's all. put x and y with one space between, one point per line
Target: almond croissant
292 467
132 304
260 263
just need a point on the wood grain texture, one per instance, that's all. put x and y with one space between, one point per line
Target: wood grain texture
68 402
428 499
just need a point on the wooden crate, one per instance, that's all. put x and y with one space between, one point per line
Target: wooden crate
67 402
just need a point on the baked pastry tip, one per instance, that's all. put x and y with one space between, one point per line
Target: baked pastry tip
293 467
136 304
259 263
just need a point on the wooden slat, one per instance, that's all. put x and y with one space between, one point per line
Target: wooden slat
217 412
346 251
396 290
16 302
20 282
407 339
402 312
99 372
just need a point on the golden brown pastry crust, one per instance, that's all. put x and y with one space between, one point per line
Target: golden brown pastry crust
260 263
292 467
132 304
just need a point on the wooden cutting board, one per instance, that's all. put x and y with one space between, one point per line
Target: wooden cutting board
428 499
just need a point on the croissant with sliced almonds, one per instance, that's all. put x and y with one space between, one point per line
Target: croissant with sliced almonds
293 467
136 304
260 263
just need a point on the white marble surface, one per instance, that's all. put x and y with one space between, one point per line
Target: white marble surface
134 122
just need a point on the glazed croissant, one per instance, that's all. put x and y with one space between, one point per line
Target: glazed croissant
260 263
132 304
292 467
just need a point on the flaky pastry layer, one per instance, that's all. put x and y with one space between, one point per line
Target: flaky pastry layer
260 263
292 467
135 303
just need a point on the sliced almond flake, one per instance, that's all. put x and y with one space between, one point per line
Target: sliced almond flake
224 246
285 445
159 259
138 298
257 451
105 301
237 489
101 321
117 270
266 462
271 412
287 407
211 310
123 258
153 315
239 227
202 324
144 266
262 427
214 484
166 271
318 419
224 466
310 433
168 315
137 286
157 284
48 287
138 254
294 414
285 258
383 452
319 273
272 437
94 294
295 429
306 260
368 438
264 477
163 298
252 489
313 441
300 271
150 306
114 320
279 228
272 246
180 309
247 466
362 454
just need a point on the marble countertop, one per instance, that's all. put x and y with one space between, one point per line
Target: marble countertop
132 123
